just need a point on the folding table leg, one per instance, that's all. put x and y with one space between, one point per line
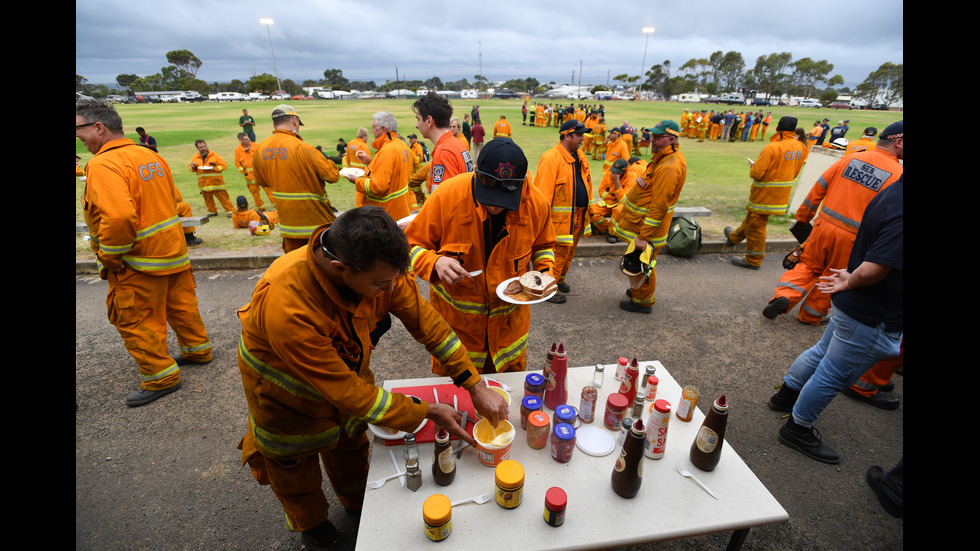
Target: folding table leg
738 538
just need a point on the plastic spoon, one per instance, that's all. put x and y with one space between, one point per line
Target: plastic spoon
684 472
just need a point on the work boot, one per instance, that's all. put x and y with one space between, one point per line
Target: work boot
728 236
775 307
559 298
182 361
879 399
784 399
630 307
892 503
741 263
321 538
192 239
142 397
564 288
210 214
807 441
611 239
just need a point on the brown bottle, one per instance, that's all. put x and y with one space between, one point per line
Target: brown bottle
628 472
706 449
443 459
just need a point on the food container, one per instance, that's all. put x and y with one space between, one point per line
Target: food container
555 502
538 424
616 406
509 478
500 391
528 405
437 512
534 385
493 445
562 442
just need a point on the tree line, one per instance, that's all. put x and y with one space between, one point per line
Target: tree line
773 75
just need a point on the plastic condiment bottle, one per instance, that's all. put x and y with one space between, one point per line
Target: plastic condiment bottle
628 472
556 393
688 401
656 437
630 381
443 459
621 368
706 449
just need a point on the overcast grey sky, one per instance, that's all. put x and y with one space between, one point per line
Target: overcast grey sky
544 39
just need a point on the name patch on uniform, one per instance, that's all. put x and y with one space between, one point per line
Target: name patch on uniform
468 159
438 171
641 182
866 174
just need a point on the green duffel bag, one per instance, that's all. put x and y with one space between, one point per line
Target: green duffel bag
684 237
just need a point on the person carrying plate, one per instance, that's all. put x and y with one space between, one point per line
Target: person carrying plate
304 357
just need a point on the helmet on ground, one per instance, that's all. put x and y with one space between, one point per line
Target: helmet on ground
263 229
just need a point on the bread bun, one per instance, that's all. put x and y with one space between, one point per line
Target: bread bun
537 285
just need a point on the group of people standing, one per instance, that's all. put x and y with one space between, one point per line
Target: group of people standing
725 126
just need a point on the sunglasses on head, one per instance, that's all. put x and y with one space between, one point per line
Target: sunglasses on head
488 180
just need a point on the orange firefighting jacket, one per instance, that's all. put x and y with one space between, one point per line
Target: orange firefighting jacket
614 151
502 128
649 205
130 207
555 178
861 144
449 158
296 172
385 184
350 157
773 173
209 179
305 358
451 223
844 190
244 162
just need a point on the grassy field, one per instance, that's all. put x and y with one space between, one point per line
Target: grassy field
717 172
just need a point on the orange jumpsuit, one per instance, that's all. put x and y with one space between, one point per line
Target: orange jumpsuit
765 127
449 158
861 144
130 207
879 374
555 178
502 128
350 156
841 194
615 150
598 140
240 219
211 182
385 184
772 175
246 165
305 361
608 202
296 172
451 223
648 210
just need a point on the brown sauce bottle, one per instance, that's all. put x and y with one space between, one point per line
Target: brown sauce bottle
627 475
443 459
706 448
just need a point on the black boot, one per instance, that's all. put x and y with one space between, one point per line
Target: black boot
807 441
192 239
321 538
784 399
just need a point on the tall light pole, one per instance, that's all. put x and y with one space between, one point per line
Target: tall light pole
647 31
268 26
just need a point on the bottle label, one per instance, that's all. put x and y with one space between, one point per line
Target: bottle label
447 460
621 462
707 440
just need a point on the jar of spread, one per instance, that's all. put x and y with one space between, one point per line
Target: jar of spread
509 478
534 385
555 501
586 408
562 442
565 414
437 512
616 406
687 403
538 424
529 404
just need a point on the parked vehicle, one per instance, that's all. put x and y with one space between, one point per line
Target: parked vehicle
810 103
505 93
230 96
687 98
761 101
732 98
841 105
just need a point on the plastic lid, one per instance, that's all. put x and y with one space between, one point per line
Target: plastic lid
595 441
538 419
663 406
623 361
653 379
555 499
531 402
534 379
564 431
565 413
509 474
617 401
437 509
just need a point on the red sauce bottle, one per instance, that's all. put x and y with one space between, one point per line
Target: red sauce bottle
556 392
706 449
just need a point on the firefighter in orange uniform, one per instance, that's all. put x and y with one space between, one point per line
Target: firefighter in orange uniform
385 183
840 195
564 179
864 143
297 173
129 205
359 143
495 224
304 356
647 212
615 148
772 181
608 202
245 164
449 157
502 128
208 166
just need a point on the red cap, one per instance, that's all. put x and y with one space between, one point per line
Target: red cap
555 499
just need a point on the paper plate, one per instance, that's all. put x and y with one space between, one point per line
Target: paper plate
385 434
352 171
403 222
594 441
507 298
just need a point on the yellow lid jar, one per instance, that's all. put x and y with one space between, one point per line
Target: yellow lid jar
437 512
509 476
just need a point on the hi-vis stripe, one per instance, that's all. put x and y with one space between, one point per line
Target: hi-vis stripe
292 444
155 264
215 187
296 231
165 373
510 353
542 254
301 196
382 198
142 234
444 350
770 209
286 382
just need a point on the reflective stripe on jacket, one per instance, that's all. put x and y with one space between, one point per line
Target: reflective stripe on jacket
773 173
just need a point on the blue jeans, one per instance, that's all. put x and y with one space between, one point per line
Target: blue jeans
847 349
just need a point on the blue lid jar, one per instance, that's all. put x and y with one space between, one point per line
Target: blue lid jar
562 442
565 414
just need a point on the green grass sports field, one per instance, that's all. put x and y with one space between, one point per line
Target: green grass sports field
717 175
